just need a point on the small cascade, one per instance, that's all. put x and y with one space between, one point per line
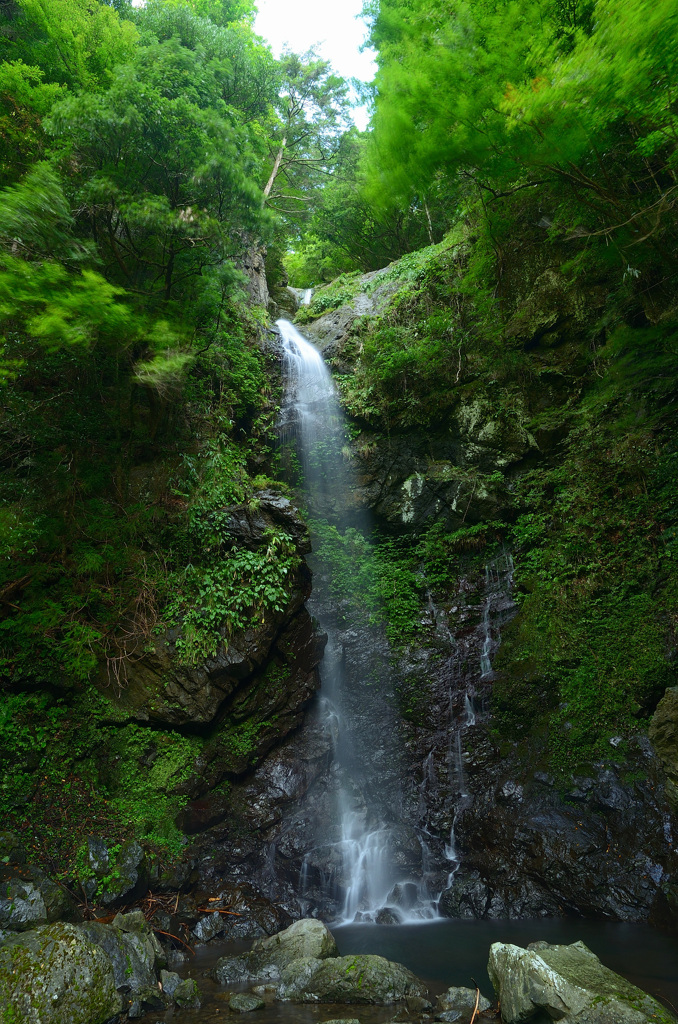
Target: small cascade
452 855
467 688
498 602
307 296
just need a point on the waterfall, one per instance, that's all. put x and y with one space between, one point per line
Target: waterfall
354 855
498 585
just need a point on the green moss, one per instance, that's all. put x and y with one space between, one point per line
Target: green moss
595 564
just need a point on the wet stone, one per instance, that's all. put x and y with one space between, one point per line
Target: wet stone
245 1002
187 994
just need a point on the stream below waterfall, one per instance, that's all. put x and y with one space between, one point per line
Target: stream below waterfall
445 953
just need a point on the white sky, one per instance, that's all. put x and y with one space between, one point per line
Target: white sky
332 27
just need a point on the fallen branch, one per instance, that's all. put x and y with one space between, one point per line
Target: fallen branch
217 910
171 936
475 1008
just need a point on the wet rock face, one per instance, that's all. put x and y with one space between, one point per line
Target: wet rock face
413 480
599 849
566 983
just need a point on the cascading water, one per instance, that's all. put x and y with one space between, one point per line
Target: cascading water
467 687
355 854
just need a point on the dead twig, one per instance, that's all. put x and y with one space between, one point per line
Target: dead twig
171 936
475 1008
218 910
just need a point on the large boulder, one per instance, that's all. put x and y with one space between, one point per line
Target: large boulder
55 975
348 979
269 957
569 984
133 950
307 937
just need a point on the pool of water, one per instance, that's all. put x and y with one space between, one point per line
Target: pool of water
444 953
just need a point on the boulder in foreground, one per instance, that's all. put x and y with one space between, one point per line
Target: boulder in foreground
55 975
568 984
348 979
270 956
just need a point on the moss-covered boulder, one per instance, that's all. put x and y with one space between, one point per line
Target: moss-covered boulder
569 984
269 957
133 951
348 979
55 975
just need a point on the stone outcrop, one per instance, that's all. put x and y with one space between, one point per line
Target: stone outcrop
253 264
161 688
569 984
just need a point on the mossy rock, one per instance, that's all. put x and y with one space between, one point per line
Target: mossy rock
568 983
348 979
54 975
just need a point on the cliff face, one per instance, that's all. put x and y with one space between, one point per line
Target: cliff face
516 458
506 623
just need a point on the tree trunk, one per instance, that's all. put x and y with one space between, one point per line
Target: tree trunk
276 168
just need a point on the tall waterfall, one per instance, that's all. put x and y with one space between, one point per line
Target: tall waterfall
358 845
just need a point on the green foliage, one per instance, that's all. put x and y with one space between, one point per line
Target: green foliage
149 767
311 109
595 563
571 102
348 231
76 42
125 342
67 772
233 591
377 578
315 261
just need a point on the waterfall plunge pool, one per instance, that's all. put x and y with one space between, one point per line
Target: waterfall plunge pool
444 953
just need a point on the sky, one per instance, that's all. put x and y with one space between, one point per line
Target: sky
333 27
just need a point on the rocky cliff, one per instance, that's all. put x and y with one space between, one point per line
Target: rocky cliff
523 502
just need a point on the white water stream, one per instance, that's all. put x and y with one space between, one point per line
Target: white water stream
361 852
356 865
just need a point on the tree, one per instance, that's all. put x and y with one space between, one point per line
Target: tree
312 109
